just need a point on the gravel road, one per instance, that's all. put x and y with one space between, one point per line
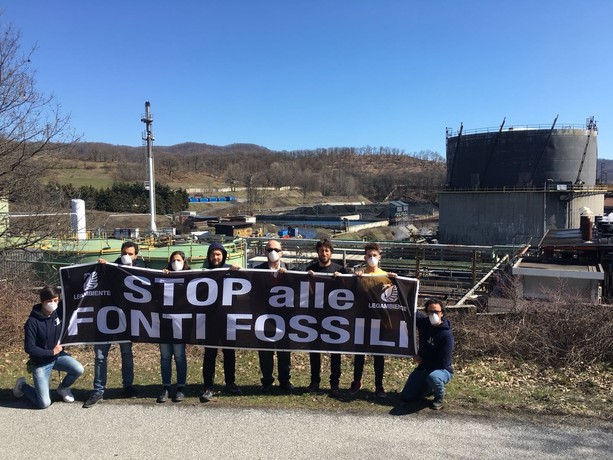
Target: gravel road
141 431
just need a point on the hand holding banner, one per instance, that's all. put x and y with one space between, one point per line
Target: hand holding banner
251 309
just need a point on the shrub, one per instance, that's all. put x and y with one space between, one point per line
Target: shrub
18 301
550 334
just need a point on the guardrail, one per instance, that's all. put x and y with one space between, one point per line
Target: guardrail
496 129
532 188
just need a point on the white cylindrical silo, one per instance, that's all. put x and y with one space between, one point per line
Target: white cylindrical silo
77 218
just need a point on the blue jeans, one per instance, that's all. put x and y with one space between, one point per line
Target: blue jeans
100 369
422 382
39 394
166 352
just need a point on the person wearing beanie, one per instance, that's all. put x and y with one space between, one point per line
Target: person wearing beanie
216 258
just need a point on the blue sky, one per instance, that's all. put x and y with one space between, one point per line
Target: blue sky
303 74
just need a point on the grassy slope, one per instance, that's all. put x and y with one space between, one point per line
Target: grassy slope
487 387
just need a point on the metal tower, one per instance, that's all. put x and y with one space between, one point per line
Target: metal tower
149 137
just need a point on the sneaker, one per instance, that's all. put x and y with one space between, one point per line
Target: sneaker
66 394
438 404
266 388
355 387
18 388
206 395
380 393
233 389
94 398
163 397
286 387
335 391
129 392
178 396
313 387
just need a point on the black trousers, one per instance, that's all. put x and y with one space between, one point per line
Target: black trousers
379 365
267 366
335 368
208 366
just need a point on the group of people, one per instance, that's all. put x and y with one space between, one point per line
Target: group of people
42 337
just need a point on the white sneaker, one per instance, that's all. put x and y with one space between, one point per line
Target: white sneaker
17 389
66 394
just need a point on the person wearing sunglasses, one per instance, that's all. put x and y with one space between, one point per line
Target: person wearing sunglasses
433 358
273 254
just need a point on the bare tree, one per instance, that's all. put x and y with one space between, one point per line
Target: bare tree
32 129
168 165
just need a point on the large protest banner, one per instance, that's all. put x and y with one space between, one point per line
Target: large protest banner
250 309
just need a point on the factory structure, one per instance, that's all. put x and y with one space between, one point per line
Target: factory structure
510 185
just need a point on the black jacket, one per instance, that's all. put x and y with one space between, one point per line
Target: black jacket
139 262
41 335
435 344
333 267
219 247
265 266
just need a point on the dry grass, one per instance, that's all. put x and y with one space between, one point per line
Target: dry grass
488 382
485 386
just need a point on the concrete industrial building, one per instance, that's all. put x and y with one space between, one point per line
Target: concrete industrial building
511 185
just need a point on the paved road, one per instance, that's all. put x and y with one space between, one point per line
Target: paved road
139 431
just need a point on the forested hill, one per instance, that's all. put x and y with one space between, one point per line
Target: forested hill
370 171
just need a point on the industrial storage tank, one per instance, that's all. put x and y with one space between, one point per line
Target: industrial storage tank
511 185
529 156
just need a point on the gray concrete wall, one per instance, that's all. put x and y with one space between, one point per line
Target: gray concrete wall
594 202
510 217
356 228
553 289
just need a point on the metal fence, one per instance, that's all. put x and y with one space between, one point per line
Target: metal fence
27 266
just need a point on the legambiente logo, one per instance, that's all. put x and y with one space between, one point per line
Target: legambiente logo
390 293
90 283
389 297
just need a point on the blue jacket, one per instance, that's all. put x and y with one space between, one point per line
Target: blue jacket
435 344
41 335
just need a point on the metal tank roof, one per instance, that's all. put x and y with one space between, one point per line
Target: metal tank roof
522 156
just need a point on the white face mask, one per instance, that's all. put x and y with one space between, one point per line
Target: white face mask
372 261
434 319
273 256
176 265
50 306
126 259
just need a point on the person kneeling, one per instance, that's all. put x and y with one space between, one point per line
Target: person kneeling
41 342
433 359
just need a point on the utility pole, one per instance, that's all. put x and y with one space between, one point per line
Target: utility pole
149 137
